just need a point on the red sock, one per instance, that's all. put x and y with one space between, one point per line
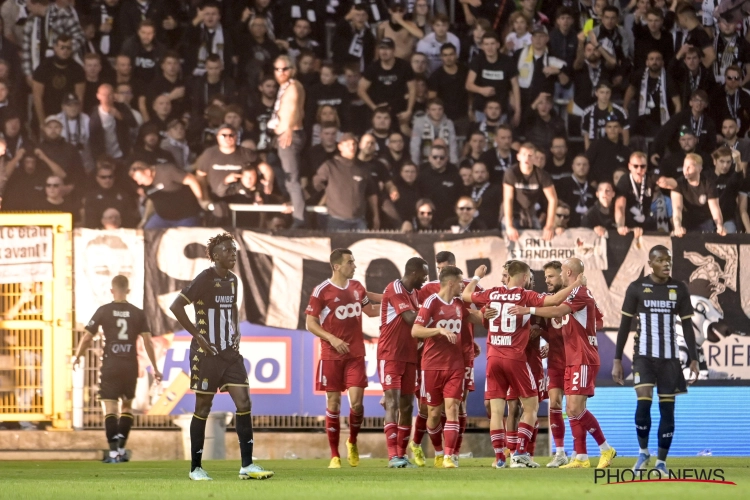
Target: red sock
532 444
420 427
404 432
443 420
333 430
579 436
498 444
355 422
591 424
511 439
557 426
451 431
436 436
461 429
391 438
525 433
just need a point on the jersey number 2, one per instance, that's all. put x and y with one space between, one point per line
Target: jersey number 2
507 321
122 324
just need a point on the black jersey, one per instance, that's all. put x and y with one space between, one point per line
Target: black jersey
121 322
655 308
214 299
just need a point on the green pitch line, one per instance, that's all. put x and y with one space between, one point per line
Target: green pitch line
311 480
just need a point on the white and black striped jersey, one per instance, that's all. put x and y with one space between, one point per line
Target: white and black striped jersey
595 120
214 299
655 308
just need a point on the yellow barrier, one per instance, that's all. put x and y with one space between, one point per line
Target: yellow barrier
36 317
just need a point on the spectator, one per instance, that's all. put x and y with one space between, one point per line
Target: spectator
408 189
729 137
62 158
589 72
10 53
92 70
576 191
472 45
352 40
359 114
696 35
324 114
467 181
559 165
147 148
108 37
439 180
487 197
671 166
322 152
387 191
301 40
492 119
26 184
41 35
14 135
169 83
144 51
656 97
124 96
349 189
732 49
434 124
162 111
424 221
307 73
474 148
56 77
635 192
172 196
381 127
401 30
6 106
388 80
235 116
421 15
262 109
395 155
54 200
133 12
207 38
695 201
431 43
524 184
124 74
420 65
562 218
529 9
500 158
175 144
448 83
213 82
327 92
694 117
731 101
537 70
728 182
541 125
608 153
110 219
689 75
563 42
615 41
595 116
105 193
494 74
600 217
653 36
466 219
75 125
519 36
258 51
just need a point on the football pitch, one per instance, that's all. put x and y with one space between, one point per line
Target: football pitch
310 479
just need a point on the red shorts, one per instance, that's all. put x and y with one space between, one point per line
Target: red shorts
469 377
338 375
556 378
541 384
437 385
579 380
504 374
398 375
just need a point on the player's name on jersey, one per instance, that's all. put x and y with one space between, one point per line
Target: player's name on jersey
121 314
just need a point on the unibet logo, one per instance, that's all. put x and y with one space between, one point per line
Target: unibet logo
349 311
452 325
512 297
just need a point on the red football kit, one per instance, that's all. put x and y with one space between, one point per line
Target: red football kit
340 313
397 349
581 347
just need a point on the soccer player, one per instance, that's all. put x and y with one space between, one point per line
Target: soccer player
655 302
553 334
215 360
438 323
121 323
397 358
580 317
507 366
334 314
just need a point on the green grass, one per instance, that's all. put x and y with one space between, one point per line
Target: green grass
310 479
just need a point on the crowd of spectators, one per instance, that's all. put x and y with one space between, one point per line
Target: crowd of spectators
414 115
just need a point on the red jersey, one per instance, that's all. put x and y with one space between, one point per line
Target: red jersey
508 334
552 332
534 355
438 353
340 313
396 342
579 331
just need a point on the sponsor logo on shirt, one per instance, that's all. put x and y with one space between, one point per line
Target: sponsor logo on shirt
388 79
489 74
226 167
505 296
349 311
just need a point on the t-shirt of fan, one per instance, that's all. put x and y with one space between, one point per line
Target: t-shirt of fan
497 75
529 189
579 328
438 352
695 209
389 85
395 342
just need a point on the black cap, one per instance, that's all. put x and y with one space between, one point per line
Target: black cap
394 4
539 28
387 42
226 126
612 117
686 130
70 98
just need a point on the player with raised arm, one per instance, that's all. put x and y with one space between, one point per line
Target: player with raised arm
506 358
121 323
580 317
334 314
215 360
655 302
397 358
438 324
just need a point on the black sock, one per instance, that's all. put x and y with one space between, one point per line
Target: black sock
197 437
123 429
643 421
666 427
243 422
110 429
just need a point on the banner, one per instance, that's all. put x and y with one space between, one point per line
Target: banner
581 243
25 254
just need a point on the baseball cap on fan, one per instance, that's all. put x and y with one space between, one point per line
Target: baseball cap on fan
539 28
387 43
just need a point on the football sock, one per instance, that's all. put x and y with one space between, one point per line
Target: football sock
451 431
590 423
532 444
666 427
443 419
498 443
333 431
644 451
197 437
391 438
557 427
525 432
404 433
123 429
420 427
243 423
436 436
355 422
579 435
643 421
462 418
511 440
110 429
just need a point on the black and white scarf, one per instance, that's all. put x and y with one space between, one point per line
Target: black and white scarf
647 102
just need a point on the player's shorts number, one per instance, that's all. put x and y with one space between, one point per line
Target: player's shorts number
349 311
559 322
122 324
452 325
507 321
576 377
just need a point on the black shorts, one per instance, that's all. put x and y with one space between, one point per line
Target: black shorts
118 380
665 374
211 373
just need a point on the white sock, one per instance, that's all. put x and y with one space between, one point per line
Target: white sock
582 457
113 454
439 453
604 446
644 451
121 451
560 451
659 462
